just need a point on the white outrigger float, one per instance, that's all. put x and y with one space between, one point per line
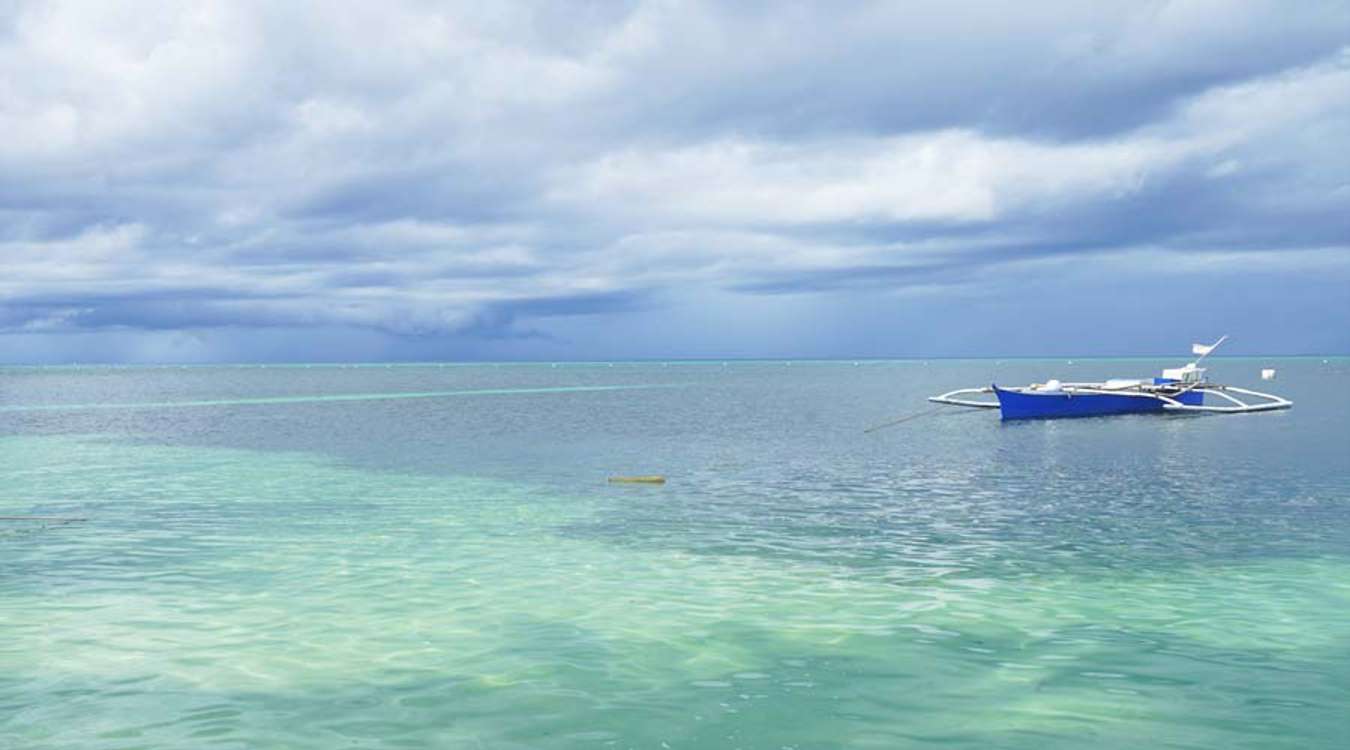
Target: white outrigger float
1180 389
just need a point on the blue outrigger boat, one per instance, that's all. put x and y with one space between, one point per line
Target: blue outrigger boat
1180 389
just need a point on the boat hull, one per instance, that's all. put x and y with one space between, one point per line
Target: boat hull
1022 405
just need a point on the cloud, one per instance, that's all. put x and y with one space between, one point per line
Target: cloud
494 175
952 176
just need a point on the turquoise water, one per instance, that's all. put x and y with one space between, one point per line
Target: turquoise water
430 556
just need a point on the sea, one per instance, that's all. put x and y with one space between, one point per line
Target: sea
432 556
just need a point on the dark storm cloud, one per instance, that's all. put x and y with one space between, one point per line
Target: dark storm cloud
465 172
500 320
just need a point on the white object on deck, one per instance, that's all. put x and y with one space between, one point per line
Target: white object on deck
1188 374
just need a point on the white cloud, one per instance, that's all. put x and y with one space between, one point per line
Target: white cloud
1271 102
954 176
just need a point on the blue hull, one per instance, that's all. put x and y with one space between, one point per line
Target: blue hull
1016 405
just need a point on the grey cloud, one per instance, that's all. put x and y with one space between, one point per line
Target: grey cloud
1049 69
483 171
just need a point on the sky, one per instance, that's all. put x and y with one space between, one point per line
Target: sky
264 181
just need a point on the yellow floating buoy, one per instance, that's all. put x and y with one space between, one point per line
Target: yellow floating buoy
653 479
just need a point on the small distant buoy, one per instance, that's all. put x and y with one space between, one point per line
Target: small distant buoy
1268 374
653 479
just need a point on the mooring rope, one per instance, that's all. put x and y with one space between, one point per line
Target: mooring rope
916 415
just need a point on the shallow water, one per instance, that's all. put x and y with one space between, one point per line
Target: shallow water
429 556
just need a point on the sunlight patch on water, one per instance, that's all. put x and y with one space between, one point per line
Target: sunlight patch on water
212 584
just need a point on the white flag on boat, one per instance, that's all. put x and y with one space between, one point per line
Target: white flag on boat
1204 349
